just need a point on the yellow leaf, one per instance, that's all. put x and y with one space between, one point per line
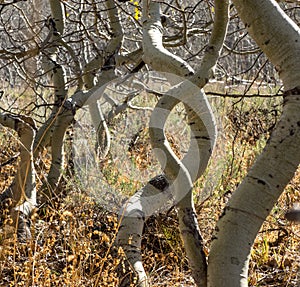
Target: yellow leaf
136 16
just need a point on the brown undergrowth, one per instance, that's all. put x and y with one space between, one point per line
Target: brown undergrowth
73 238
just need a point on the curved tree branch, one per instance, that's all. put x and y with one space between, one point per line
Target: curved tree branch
254 198
178 176
155 55
104 62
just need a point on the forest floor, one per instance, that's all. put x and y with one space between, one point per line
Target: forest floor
73 237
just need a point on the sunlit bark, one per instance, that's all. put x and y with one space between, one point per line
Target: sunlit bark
178 178
22 191
158 57
52 132
105 61
253 200
63 116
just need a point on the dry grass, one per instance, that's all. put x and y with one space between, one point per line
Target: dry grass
73 238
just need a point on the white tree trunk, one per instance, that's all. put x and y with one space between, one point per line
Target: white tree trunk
158 192
179 176
22 191
105 62
253 200
63 117
155 55
56 74
50 132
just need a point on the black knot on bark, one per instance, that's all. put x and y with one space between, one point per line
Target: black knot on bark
160 182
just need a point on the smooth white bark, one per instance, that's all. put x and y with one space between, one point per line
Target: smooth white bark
57 77
179 176
253 200
276 34
105 62
54 128
155 55
63 117
180 180
56 74
22 191
215 44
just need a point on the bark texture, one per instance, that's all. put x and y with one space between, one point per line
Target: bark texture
253 200
52 132
63 115
105 61
177 181
155 55
22 191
